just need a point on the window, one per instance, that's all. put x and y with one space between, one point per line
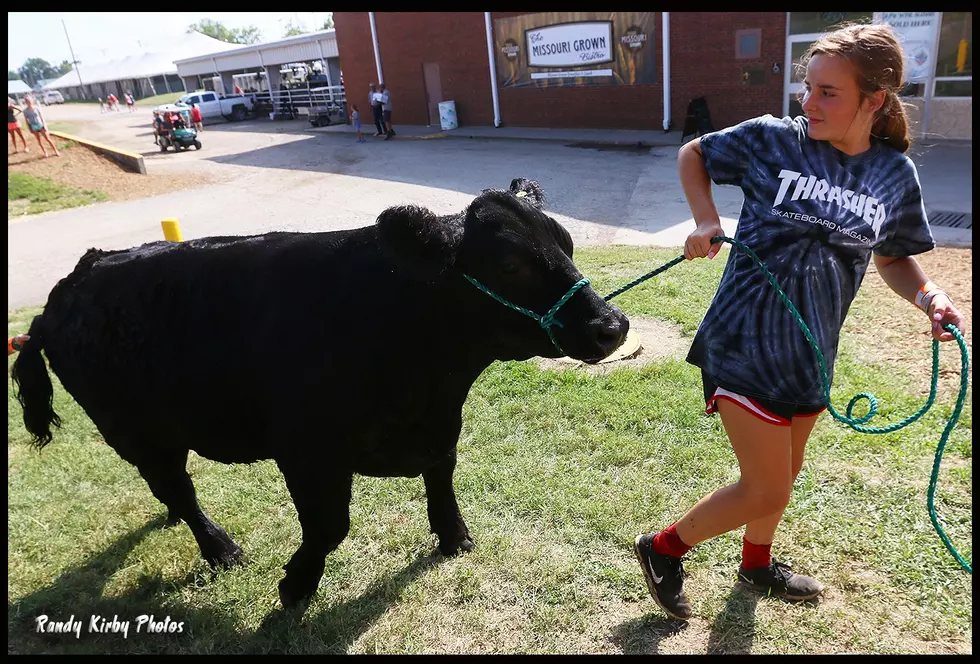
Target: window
802 23
195 100
954 65
210 97
748 44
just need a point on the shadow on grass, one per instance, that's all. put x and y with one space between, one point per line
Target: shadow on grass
79 594
733 629
642 636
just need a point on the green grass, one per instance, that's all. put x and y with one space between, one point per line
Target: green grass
64 127
27 194
558 471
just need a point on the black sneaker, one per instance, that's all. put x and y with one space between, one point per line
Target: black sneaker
665 578
778 580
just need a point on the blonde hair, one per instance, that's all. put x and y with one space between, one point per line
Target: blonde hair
879 64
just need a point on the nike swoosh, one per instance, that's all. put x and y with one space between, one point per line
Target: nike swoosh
656 579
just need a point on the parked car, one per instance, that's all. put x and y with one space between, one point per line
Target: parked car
52 97
214 105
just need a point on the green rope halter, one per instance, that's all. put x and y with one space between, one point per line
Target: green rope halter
548 320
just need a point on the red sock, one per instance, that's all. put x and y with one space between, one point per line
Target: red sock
669 543
755 555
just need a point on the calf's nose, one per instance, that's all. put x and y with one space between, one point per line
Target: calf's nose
611 331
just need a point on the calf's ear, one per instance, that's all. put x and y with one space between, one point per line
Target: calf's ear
529 190
418 241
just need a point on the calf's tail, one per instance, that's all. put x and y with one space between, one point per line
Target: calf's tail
34 390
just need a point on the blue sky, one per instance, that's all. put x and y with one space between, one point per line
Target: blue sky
100 36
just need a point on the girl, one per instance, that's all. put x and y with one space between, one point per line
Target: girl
35 122
13 125
355 118
824 193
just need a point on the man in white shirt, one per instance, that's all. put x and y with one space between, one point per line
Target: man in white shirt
374 100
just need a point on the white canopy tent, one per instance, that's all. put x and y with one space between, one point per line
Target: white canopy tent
157 60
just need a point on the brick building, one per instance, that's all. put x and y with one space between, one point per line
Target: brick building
609 70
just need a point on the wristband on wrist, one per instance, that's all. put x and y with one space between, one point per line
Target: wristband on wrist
925 294
924 297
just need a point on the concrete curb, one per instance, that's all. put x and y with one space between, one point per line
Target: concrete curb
129 160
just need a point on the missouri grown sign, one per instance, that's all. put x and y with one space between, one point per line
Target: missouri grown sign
570 45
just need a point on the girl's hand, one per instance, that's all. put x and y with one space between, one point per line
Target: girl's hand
941 313
698 244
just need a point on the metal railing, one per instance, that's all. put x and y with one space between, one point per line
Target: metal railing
322 99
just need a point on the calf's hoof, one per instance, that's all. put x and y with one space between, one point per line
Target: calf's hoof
172 520
226 559
453 546
293 595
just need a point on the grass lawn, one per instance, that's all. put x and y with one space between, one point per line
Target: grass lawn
558 471
28 194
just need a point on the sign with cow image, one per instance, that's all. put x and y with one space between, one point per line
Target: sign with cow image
575 48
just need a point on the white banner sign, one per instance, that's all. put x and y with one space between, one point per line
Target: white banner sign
581 73
570 44
918 33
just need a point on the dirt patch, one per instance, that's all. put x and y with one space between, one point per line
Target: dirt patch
659 340
85 169
899 333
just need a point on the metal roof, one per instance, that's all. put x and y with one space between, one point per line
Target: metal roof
155 62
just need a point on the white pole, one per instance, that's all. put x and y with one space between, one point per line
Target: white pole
931 79
377 51
326 66
666 46
493 71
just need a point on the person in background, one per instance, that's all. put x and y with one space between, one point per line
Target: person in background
38 127
13 125
101 105
386 111
355 118
196 118
374 99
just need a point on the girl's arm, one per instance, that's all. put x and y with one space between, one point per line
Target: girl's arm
905 277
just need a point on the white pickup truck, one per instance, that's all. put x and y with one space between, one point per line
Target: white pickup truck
213 105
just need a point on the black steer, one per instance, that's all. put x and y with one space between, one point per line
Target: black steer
332 353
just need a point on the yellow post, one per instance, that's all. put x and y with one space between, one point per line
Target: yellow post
171 230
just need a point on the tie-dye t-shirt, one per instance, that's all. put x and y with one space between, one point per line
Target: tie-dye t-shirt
813 215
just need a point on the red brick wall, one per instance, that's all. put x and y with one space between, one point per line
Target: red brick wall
702 53
455 40
703 64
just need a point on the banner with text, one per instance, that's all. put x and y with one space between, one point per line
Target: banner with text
575 48
918 32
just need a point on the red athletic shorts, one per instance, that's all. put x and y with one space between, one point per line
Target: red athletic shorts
779 413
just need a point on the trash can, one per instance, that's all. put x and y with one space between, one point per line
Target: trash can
447 115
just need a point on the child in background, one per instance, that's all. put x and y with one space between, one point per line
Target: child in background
355 118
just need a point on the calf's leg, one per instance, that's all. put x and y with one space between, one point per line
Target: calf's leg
166 473
322 500
444 517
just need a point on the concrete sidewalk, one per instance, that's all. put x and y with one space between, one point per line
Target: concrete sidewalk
945 167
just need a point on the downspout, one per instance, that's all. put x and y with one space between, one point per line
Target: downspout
377 52
493 71
666 46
